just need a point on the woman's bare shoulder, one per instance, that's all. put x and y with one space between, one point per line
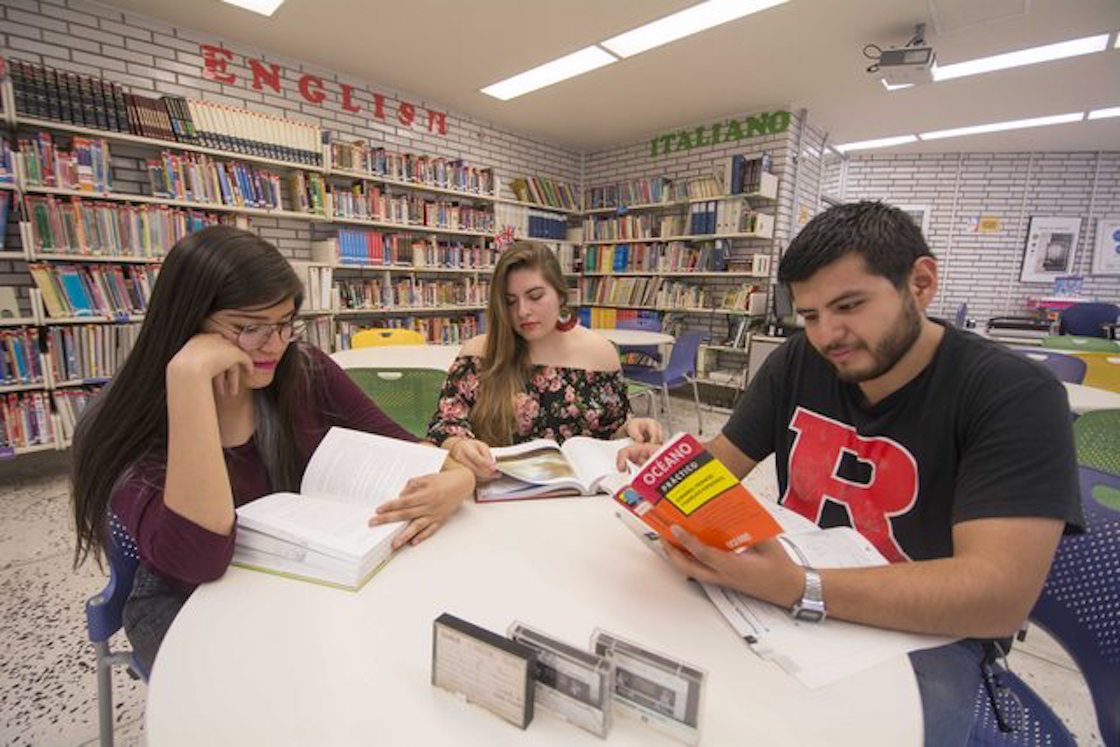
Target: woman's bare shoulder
595 352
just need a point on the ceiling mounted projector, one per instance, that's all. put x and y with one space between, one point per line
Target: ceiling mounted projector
907 65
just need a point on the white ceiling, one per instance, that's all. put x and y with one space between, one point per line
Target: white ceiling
806 53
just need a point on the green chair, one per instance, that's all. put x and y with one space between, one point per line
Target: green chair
1096 435
635 390
1081 344
407 395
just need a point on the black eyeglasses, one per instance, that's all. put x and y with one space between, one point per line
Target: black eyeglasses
255 336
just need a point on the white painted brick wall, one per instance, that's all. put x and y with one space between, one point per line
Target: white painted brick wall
983 269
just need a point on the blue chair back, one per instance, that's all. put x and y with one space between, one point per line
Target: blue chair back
1067 368
105 609
1030 722
682 359
1087 319
961 317
1080 604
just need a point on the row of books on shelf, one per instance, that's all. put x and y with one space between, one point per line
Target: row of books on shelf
637 291
364 201
713 217
41 419
47 93
437 330
5 203
603 317
744 174
404 292
650 191
84 352
546 192
673 256
534 224
318 286
84 166
95 228
195 177
728 217
99 290
20 362
380 249
436 171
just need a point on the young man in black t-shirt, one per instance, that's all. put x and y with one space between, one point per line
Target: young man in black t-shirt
938 446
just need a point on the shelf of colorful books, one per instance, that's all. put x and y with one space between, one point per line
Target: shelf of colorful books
676 204
686 237
409 185
675 273
407 310
125 137
149 200
405 227
537 206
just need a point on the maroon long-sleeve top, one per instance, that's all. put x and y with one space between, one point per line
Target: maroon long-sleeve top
187 554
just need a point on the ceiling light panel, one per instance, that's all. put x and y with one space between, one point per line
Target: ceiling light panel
264 7
568 66
1015 124
1112 111
883 142
684 23
1021 57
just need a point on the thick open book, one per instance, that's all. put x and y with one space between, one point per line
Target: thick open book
545 469
817 654
322 534
682 483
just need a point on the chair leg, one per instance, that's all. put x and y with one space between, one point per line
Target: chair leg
104 694
665 402
699 414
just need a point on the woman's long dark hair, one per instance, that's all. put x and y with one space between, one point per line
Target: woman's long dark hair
211 270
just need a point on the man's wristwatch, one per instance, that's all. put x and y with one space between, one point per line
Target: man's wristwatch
811 606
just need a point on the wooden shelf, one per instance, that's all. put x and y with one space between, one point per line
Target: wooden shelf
102 319
677 309
152 200
404 227
643 206
684 237
23 321
406 310
7 452
55 257
127 137
535 206
5 388
675 273
419 270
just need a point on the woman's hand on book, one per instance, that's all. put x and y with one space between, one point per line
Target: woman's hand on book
475 456
425 503
644 431
210 357
763 571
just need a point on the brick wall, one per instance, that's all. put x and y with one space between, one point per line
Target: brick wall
982 269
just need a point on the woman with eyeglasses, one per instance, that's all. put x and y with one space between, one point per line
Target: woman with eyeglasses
535 373
218 404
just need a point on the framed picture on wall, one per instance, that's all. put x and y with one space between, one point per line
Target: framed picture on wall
1051 244
1106 253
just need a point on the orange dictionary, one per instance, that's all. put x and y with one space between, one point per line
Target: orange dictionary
684 484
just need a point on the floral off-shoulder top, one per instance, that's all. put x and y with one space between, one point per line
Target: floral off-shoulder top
557 403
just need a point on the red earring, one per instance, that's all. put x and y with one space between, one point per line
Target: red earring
563 324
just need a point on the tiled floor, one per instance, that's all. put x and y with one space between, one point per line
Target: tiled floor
47 687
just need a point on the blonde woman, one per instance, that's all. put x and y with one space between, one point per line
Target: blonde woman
535 374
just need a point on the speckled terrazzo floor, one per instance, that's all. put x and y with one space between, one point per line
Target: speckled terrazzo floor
48 693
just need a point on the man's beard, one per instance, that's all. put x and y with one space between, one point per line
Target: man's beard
890 350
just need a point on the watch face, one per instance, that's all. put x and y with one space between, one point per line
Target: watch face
804 614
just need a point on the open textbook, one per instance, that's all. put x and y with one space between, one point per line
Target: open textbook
817 654
544 469
322 534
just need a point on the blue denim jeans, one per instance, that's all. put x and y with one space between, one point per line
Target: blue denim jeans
948 679
148 613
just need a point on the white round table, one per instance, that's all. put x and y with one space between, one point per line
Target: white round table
438 357
258 659
635 337
1083 399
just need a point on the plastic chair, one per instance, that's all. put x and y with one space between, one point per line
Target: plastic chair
104 613
409 395
1096 436
1087 319
1073 343
1027 719
680 370
1080 604
1064 367
646 324
368 338
961 317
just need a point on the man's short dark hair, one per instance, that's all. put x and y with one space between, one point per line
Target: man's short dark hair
887 238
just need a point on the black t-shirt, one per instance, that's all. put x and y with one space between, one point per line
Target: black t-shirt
979 433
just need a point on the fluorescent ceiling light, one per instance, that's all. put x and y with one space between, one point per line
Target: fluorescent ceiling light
264 7
684 23
1014 124
883 142
568 66
1113 111
1018 58
894 87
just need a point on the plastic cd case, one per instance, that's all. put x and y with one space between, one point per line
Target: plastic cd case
653 688
573 684
485 668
